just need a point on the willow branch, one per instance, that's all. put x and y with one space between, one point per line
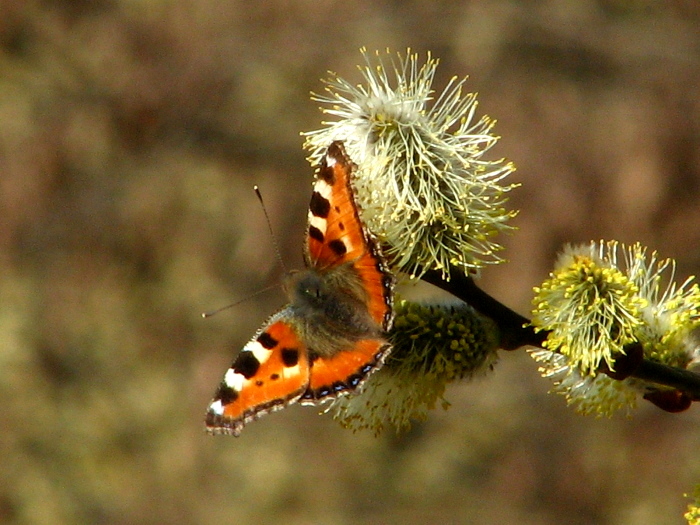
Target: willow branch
517 332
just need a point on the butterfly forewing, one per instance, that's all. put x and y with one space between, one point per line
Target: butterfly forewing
271 371
336 234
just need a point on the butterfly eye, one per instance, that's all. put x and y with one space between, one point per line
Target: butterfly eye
310 287
313 291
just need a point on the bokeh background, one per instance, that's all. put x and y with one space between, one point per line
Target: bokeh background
131 134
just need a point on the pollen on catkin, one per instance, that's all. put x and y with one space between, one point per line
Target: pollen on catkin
422 183
600 298
433 345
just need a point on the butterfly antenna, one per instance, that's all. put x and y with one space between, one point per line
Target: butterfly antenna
214 312
277 253
269 227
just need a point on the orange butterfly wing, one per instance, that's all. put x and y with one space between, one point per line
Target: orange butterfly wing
336 235
344 371
271 372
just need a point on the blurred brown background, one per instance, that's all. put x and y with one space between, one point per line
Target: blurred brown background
131 134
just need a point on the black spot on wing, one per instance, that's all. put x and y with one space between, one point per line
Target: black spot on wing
338 247
290 357
316 234
247 364
319 206
322 392
328 390
339 386
355 380
326 173
267 341
226 394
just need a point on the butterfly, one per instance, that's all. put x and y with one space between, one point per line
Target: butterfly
332 334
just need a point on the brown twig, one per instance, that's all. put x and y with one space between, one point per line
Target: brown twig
516 330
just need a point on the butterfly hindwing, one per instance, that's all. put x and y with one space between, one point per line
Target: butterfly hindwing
345 371
271 372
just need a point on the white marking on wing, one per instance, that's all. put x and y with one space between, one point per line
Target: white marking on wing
234 380
348 243
325 189
292 371
318 222
217 407
261 353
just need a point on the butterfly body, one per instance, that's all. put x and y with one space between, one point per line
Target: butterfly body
332 334
328 309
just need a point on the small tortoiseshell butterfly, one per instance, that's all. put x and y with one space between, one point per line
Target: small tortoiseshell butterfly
332 334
